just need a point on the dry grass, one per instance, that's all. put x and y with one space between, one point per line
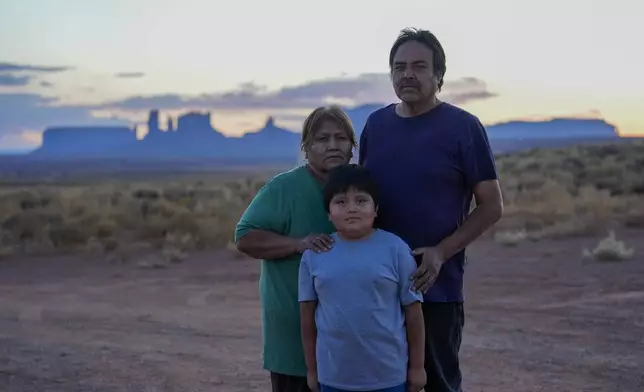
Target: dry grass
579 191
585 190
116 219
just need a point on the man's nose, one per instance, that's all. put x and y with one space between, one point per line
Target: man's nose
409 74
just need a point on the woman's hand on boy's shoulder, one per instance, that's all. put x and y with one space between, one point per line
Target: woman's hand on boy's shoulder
316 242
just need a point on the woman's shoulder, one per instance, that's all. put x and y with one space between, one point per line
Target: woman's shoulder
289 177
292 178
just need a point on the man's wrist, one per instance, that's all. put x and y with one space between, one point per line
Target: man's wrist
443 251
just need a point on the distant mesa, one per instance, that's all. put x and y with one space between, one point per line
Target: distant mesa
193 136
558 128
93 141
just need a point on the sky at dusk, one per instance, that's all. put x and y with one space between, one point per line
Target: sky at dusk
77 62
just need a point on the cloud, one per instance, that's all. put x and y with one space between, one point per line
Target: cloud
130 75
13 67
355 90
21 111
464 90
24 111
46 84
10 80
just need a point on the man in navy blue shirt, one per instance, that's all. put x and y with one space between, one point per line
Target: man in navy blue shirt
430 159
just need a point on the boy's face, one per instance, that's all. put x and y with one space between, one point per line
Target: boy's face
352 213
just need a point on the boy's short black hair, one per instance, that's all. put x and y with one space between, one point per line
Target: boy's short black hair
351 176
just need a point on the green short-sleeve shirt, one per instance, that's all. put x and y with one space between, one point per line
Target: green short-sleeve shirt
290 204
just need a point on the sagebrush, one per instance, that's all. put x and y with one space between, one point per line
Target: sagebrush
548 193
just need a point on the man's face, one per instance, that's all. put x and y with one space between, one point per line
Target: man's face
412 72
330 147
352 213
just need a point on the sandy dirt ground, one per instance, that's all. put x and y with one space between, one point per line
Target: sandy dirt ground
538 318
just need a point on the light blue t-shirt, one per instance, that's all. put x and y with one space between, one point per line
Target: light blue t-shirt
361 288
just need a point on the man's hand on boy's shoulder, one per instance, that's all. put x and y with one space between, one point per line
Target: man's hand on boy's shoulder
316 242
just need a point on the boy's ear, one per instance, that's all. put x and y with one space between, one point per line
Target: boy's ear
376 211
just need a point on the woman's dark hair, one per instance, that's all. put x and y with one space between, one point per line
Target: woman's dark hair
321 115
351 176
428 39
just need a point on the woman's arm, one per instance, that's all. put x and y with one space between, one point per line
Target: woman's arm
262 244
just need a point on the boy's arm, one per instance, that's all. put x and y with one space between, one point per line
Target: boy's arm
309 333
415 335
411 301
308 303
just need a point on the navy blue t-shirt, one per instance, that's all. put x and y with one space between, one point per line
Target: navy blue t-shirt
426 168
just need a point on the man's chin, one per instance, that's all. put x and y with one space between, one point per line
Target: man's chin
409 97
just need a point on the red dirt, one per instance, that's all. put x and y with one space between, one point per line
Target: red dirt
538 318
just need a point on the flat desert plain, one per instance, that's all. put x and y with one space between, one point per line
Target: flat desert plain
539 317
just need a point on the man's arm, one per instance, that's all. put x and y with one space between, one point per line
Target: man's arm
477 161
488 211
362 145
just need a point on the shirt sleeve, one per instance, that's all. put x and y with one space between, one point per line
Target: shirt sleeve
477 156
406 267
362 144
267 211
306 286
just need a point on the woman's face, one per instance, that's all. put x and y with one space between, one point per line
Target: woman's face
329 147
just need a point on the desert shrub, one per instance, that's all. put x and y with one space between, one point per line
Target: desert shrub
101 217
574 191
548 193
510 238
609 249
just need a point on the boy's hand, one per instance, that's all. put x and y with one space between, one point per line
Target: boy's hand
416 379
312 381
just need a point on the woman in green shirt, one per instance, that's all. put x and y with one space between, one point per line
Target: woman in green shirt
285 218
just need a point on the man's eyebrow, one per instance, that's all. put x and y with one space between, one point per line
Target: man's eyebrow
413 62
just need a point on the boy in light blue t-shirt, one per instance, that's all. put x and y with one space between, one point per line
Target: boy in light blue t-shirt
362 324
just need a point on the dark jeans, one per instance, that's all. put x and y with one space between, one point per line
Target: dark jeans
444 323
284 383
